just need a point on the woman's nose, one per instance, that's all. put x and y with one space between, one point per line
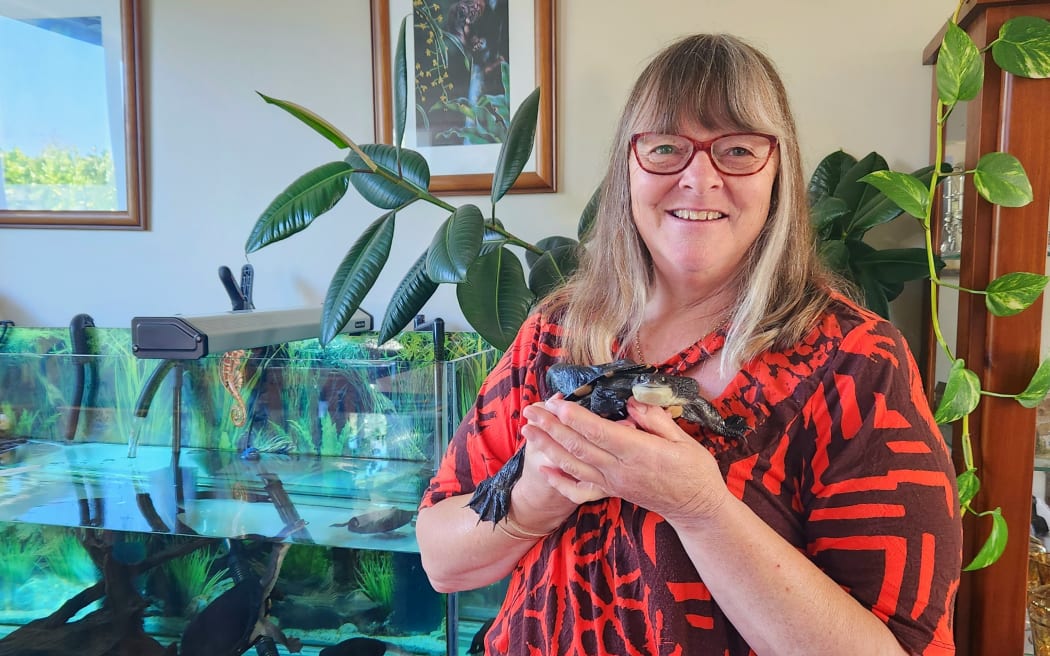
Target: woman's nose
701 173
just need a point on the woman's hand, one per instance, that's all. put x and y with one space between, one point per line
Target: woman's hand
646 459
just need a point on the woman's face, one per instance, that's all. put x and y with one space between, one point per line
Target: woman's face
699 223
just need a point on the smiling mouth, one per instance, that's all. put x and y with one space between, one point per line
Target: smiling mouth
697 215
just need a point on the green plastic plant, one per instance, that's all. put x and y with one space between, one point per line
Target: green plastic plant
468 250
375 577
1022 48
843 209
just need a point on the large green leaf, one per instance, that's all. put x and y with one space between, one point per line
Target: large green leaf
828 174
896 265
379 189
836 257
962 393
824 215
960 69
1023 47
1000 179
875 297
296 207
1014 292
455 245
400 85
492 239
494 298
552 269
548 244
356 275
994 546
906 191
589 214
1037 388
321 126
412 293
517 148
850 189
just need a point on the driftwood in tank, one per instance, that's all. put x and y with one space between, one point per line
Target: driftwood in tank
116 628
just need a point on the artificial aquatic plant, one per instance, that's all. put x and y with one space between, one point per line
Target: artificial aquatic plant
1023 49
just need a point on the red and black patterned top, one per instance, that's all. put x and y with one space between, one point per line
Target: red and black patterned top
843 460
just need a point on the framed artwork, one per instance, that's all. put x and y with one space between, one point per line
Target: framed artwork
470 64
71 142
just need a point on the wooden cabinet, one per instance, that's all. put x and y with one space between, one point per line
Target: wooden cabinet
1010 114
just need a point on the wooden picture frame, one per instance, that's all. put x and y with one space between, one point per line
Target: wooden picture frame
77 103
467 168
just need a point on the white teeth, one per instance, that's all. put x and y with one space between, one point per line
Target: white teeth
697 215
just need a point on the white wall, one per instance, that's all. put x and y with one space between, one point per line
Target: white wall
218 154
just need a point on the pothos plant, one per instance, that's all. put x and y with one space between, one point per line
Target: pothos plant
1022 48
468 250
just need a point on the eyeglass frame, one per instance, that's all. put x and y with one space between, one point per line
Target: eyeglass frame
704 147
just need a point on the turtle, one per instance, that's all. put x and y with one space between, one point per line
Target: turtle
604 390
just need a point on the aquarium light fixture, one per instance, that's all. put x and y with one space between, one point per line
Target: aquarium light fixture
188 338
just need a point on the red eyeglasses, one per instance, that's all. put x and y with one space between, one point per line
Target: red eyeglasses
738 153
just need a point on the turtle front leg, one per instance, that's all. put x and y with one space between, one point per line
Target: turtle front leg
703 412
491 500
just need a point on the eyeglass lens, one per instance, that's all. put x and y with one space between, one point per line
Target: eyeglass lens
735 154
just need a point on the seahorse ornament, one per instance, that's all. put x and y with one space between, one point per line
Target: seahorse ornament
231 374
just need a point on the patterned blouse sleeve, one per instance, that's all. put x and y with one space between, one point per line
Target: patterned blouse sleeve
490 433
882 509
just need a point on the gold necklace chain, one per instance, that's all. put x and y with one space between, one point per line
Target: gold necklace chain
638 338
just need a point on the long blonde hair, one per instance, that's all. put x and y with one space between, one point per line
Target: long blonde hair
724 84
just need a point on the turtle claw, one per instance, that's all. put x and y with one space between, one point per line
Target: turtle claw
703 412
491 499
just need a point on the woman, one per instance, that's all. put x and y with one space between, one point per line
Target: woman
831 528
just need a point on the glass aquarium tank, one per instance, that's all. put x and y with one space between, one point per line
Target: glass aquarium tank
259 499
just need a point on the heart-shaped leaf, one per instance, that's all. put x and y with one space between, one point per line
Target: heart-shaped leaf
552 269
906 191
1037 388
296 207
994 546
1023 47
356 275
881 209
494 298
517 148
412 293
960 69
969 485
1014 292
962 393
388 189
455 245
1000 179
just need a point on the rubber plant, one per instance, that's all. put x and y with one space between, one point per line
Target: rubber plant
468 249
1021 48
